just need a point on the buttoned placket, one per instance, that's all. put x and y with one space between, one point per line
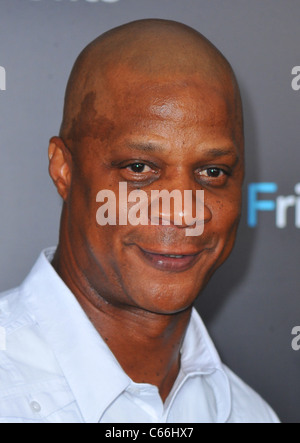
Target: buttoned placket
147 397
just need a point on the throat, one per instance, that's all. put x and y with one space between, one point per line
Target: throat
147 348
147 345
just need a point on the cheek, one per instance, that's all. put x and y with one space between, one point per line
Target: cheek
224 224
82 202
226 213
81 199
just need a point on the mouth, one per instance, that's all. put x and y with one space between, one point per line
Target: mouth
171 261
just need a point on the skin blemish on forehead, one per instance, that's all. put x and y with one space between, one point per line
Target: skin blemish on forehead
88 124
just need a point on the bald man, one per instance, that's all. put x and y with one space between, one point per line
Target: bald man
103 329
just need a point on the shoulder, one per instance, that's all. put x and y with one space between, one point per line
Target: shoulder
247 406
240 403
29 372
25 355
12 309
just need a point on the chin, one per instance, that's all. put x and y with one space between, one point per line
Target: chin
167 300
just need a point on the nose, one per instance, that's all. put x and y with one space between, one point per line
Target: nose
180 205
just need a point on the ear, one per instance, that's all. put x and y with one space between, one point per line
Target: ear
60 166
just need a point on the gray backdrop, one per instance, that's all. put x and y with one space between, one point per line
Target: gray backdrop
252 304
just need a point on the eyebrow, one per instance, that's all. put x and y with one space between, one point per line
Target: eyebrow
145 147
154 147
222 152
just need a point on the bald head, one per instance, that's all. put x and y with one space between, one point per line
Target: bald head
154 106
148 51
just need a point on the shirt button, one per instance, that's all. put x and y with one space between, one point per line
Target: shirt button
35 406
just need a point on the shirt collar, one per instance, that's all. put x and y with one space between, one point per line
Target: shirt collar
99 379
199 356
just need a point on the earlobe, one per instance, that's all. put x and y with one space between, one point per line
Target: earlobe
60 166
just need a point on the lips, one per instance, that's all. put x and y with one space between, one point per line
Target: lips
171 261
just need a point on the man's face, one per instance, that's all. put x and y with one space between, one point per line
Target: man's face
169 135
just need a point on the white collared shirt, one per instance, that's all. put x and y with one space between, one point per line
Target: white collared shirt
56 368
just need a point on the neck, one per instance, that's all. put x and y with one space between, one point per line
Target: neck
147 345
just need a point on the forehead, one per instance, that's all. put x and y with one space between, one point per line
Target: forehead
125 102
170 99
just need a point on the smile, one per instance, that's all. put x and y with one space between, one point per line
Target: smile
169 262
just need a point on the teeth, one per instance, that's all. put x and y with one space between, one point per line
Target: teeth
175 256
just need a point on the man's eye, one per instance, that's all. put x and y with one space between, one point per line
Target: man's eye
213 176
212 172
138 172
139 168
